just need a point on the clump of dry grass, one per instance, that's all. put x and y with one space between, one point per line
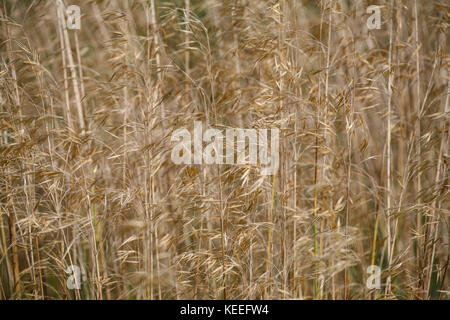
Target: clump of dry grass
86 177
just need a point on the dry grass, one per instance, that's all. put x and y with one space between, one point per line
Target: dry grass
86 175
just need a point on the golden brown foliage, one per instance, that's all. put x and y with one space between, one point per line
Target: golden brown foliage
86 178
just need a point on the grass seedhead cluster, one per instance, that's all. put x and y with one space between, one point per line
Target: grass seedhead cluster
89 195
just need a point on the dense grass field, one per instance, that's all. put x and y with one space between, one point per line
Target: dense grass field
93 207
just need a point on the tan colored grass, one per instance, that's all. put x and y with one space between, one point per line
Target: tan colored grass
86 176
